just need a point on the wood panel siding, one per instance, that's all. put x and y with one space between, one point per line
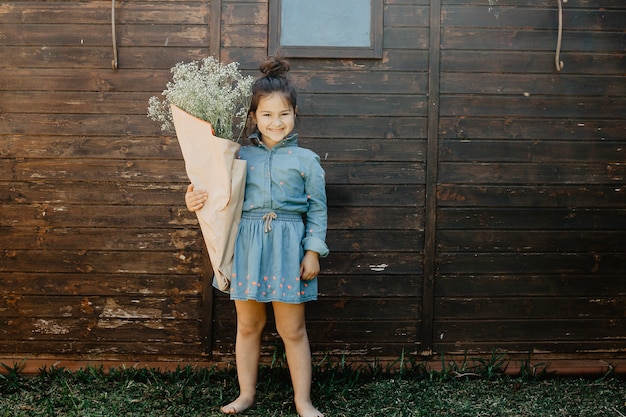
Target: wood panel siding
366 118
100 258
477 198
531 193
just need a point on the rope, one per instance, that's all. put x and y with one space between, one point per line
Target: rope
114 62
268 218
557 57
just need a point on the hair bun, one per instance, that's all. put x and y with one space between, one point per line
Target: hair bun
274 66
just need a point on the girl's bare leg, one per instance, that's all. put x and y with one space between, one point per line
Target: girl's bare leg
292 329
251 317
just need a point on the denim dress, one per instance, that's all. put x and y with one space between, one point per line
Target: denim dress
284 215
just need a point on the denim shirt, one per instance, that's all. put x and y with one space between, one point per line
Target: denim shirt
288 178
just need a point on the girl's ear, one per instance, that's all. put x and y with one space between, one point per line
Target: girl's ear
295 110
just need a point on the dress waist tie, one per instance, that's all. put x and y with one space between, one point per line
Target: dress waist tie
268 218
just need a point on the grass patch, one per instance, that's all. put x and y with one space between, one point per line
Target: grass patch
405 388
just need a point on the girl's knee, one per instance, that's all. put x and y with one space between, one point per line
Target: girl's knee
292 331
251 326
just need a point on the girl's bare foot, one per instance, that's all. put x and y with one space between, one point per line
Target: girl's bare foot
307 410
240 405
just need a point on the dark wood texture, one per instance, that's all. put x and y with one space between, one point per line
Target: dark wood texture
100 259
531 220
476 195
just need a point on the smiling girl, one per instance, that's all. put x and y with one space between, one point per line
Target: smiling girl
276 255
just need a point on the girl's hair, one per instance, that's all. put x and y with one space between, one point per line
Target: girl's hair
273 80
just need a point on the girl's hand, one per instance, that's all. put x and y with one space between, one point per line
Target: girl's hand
195 199
310 265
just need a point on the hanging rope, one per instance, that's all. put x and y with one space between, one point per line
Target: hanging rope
114 62
557 57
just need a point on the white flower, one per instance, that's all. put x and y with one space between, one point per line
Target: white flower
208 90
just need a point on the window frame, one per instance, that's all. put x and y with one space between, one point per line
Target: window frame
374 51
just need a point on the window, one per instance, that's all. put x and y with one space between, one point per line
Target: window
327 28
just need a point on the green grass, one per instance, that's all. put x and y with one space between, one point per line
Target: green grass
472 388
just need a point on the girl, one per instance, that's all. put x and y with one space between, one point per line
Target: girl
276 259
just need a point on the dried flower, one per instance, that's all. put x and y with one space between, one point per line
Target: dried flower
208 90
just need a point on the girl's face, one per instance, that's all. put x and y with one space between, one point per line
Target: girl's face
275 118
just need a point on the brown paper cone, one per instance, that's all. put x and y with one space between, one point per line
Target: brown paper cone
212 165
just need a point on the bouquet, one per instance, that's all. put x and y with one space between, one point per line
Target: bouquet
201 104
209 90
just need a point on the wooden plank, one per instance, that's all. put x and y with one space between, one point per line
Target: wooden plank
343 196
97 57
603 263
550 348
579 285
376 127
504 16
357 286
542 4
87 35
374 173
387 240
532 84
238 13
529 40
166 171
583 129
104 330
76 349
48 307
532 151
432 176
90 283
377 150
581 241
532 173
95 12
406 15
252 36
557 219
100 262
116 216
527 331
149 171
351 336
42 79
363 310
373 263
99 147
541 308
534 106
97 193
359 105
76 124
83 103
346 219
555 196
405 38
530 61
357 81
73 237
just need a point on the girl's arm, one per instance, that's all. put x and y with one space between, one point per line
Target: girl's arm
195 199
310 265
317 214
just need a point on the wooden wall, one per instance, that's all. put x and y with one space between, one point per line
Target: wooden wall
367 121
531 219
99 256
476 194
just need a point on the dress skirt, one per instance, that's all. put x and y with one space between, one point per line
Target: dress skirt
268 253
